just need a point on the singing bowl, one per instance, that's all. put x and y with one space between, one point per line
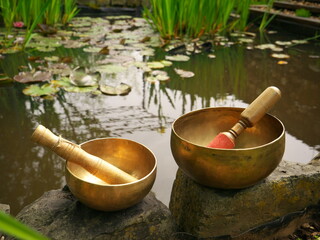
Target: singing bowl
131 157
257 153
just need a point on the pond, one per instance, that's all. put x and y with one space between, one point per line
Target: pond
231 74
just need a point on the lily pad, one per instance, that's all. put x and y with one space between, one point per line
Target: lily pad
155 65
122 89
166 63
82 79
179 57
61 69
36 90
52 59
110 68
279 55
5 79
28 77
245 40
299 41
183 73
45 49
160 75
92 49
81 89
151 79
283 43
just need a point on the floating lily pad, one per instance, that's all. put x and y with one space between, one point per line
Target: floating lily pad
52 59
299 41
166 63
281 62
36 90
74 44
45 49
10 50
110 68
63 82
61 69
151 79
212 56
245 40
283 43
155 64
5 79
183 73
80 78
122 89
160 75
265 46
81 89
279 55
179 57
92 49
28 77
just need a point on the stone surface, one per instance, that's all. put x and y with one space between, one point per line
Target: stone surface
4 208
207 213
58 215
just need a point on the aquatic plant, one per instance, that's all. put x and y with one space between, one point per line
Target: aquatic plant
193 18
15 228
266 18
301 12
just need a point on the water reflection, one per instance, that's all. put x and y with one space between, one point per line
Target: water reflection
234 78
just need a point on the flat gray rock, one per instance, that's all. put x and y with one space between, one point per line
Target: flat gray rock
207 213
59 215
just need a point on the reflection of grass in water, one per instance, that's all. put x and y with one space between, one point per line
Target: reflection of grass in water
214 78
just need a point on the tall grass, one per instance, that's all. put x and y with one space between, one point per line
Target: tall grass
27 11
33 12
194 18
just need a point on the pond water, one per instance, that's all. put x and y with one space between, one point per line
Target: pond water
236 75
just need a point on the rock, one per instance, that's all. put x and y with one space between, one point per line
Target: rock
207 213
4 208
59 215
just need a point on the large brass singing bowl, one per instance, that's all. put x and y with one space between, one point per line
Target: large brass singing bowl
127 155
257 153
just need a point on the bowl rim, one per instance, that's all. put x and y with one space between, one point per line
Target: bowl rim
122 184
222 149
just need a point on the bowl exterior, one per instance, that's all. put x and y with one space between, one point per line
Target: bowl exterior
228 168
113 197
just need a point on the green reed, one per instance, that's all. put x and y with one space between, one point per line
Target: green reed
194 18
13 227
27 11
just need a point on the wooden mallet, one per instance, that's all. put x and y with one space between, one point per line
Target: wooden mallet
249 117
72 152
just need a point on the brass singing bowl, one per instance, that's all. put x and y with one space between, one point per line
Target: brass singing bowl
131 157
257 153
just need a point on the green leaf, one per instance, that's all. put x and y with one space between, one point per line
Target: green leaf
122 89
110 68
154 65
181 58
13 227
35 90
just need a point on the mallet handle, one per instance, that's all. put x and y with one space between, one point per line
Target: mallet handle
74 153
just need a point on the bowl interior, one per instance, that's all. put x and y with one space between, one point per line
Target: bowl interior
200 127
127 155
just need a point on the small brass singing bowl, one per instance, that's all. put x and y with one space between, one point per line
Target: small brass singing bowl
257 153
127 155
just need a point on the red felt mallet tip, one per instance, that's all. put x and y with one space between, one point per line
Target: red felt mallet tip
248 118
222 141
